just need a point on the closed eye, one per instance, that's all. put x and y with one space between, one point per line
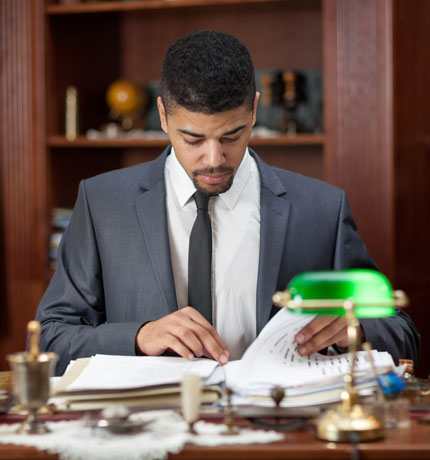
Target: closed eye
193 142
229 140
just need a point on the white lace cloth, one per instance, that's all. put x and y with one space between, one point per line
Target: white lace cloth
166 433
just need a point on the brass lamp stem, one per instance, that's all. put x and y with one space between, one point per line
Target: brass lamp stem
349 421
353 338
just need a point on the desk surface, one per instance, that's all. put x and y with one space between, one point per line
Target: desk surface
410 444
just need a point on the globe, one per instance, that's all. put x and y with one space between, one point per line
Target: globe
124 98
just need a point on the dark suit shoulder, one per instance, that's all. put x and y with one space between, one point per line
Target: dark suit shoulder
126 181
295 181
310 192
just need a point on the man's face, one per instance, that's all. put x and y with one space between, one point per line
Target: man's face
209 147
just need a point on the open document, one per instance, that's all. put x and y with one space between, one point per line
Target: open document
271 360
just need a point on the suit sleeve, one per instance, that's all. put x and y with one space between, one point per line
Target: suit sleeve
72 310
397 334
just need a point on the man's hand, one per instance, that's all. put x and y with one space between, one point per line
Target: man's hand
186 332
322 332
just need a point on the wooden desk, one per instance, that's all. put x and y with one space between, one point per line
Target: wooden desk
411 444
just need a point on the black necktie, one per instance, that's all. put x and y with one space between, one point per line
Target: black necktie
200 259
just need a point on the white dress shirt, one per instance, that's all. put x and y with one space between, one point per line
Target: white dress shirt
235 217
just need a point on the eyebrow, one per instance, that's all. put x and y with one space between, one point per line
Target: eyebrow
228 133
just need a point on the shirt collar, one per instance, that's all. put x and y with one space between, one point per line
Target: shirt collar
179 179
184 187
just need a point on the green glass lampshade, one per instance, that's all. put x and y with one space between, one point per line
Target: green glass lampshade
325 292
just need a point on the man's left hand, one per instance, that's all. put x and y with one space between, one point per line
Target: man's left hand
320 333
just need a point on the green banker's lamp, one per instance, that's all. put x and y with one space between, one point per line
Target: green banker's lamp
355 293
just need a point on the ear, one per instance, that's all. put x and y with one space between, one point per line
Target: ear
254 110
162 113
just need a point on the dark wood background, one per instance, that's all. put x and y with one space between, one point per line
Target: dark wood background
376 142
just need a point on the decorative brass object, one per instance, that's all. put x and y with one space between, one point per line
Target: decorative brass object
228 416
355 293
277 394
350 422
31 373
116 420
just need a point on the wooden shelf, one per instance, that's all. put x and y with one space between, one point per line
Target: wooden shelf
82 142
102 7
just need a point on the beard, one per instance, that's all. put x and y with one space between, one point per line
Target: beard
213 189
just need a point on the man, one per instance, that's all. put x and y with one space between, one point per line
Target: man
122 283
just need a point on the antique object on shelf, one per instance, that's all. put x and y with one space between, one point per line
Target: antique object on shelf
126 101
285 92
72 115
290 97
31 373
354 294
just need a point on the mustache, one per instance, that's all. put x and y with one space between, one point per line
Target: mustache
208 171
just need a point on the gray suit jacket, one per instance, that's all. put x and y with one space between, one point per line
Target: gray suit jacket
114 270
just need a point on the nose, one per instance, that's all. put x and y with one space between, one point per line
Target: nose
214 156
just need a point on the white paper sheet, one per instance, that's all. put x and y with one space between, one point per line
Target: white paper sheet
107 372
273 359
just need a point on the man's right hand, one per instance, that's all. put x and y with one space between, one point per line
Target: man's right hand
186 332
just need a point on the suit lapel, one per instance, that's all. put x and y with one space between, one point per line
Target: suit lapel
274 211
151 212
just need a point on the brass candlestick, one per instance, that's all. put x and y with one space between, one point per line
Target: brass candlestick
31 372
191 395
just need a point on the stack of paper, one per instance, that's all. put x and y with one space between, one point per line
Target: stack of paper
271 360
94 383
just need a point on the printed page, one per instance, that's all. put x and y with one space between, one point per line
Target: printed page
107 372
272 359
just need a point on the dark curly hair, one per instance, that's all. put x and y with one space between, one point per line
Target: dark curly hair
207 72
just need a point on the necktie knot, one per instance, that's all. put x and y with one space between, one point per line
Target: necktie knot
201 200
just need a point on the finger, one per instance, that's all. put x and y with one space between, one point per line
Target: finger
191 336
199 319
197 338
332 333
211 347
313 327
177 346
308 348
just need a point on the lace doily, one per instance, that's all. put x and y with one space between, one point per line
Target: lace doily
166 433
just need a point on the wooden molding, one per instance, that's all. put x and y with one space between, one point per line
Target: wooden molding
22 176
358 116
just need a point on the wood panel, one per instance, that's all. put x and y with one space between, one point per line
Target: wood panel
412 159
22 178
358 120
276 34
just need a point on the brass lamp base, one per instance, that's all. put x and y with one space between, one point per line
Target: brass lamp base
353 425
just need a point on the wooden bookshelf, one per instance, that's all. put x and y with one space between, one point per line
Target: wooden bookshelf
375 121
